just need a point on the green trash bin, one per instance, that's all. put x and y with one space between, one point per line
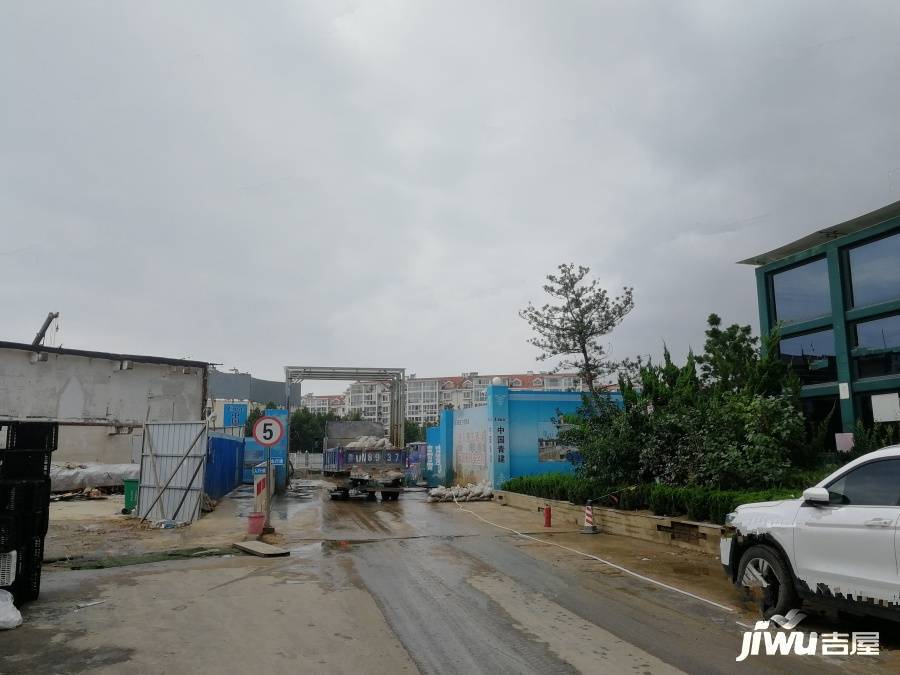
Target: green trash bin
131 493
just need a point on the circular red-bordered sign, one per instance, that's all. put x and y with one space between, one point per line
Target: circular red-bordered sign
268 430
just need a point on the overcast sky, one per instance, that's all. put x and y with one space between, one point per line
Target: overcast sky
387 183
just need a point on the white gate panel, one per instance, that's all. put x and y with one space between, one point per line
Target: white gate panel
173 462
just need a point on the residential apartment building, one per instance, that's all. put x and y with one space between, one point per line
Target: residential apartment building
425 397
372 400
336 404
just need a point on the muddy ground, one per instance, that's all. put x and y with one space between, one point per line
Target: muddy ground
403 586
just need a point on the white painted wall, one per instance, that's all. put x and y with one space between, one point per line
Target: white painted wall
79 389
96 445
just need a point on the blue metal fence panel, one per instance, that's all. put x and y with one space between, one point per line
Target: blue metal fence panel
224 464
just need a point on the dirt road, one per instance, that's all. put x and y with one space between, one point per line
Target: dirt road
399 587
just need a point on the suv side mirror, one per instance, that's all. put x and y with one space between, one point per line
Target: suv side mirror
816 495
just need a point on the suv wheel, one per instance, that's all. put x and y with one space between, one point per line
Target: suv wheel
767 579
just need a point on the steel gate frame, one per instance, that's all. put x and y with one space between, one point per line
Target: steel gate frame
394 377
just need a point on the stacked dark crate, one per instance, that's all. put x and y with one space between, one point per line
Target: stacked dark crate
25 503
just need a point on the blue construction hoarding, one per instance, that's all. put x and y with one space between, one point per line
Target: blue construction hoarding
224 464
515 434
437 461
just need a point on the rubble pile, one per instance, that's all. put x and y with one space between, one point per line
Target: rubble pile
470 493
369 443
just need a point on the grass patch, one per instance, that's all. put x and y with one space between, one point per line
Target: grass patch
150 557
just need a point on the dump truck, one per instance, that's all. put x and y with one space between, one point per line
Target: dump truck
363 468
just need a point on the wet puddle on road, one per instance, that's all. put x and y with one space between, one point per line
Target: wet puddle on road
297 498
579 642
308 551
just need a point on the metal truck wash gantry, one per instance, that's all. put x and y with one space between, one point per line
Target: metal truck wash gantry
360 460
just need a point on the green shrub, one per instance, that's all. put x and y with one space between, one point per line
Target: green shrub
692 502
804 479
868 439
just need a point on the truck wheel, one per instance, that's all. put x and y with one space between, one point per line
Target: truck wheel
766 577
371 496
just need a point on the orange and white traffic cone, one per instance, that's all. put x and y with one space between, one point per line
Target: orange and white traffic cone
589 527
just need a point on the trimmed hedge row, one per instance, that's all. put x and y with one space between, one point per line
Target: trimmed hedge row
697 503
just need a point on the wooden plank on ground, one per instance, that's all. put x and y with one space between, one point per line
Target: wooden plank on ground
261 549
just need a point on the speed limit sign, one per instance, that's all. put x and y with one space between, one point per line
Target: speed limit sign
268 430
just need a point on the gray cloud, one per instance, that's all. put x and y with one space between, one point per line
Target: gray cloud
388 182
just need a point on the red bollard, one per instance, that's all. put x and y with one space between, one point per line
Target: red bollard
547 516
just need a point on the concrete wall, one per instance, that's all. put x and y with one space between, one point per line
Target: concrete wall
97 445
78 389
106 404
644 525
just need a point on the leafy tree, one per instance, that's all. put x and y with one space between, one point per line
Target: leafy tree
733 422
413 432
308 430
255 414
607 442
572 324
354 416
733 361
252 416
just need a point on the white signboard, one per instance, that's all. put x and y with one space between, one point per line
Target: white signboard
886 407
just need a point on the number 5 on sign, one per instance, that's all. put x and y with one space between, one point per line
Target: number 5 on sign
268 430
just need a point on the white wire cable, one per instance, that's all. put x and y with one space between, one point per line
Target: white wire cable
600 560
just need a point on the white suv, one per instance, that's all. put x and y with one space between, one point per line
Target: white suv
840 543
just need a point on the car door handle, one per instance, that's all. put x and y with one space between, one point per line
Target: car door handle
878 522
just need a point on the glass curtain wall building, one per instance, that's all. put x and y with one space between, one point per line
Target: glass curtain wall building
835 297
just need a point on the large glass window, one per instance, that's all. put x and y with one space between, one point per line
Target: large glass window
873 484
801 293
880 333
881 337
876 365
811 356
875 271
